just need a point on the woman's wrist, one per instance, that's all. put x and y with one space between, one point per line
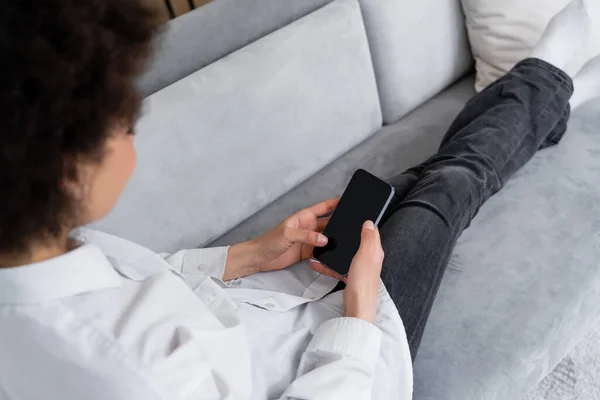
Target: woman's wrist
240 261
365 308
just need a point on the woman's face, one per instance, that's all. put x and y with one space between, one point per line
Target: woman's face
104 182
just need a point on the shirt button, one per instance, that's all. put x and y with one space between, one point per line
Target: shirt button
269 305
202 267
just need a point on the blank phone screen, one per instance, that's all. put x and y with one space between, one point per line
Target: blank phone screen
366 198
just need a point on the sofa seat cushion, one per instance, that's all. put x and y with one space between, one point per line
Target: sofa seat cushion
523 285
224 142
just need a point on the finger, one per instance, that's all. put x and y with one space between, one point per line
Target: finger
292 222
322 223
379 254
324 207
378 239
380 247
305 218
320 268
304 236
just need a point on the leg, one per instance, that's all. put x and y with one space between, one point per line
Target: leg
587 83
496 134
566 36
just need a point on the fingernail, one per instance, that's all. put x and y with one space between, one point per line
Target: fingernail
322 240
369 225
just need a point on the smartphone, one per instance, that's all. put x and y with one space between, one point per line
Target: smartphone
366 198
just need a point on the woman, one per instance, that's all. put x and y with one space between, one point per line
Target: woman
103 318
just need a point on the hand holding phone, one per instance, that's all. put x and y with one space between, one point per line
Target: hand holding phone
354 247
362 284
366 198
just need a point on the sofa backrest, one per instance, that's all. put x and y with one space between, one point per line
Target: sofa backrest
419 48
210 32
226 132
224 142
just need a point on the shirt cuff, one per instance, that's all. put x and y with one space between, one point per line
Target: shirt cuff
350 337
196 264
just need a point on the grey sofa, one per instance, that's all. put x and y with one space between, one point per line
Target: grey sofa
255 109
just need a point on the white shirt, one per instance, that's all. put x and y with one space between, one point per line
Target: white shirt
114 320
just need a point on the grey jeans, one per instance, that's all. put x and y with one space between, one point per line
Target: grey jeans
497 132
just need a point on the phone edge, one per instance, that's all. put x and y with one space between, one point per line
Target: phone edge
387 204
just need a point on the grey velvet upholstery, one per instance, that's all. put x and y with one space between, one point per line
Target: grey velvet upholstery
393 148
524 282
209 33
224 142
418 48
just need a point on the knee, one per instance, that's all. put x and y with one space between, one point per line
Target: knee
452 179
476 177
456 193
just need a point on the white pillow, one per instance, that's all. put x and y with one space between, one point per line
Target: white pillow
503 32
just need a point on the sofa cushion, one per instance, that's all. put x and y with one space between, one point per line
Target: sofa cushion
419 48
502 33
214 30
224 142
524 282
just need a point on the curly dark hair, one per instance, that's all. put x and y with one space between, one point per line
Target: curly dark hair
67 78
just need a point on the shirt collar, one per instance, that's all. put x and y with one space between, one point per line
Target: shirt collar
84 269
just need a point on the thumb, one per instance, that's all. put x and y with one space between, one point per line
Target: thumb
368 237
370 249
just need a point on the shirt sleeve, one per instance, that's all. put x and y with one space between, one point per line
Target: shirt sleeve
197 264
339 362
